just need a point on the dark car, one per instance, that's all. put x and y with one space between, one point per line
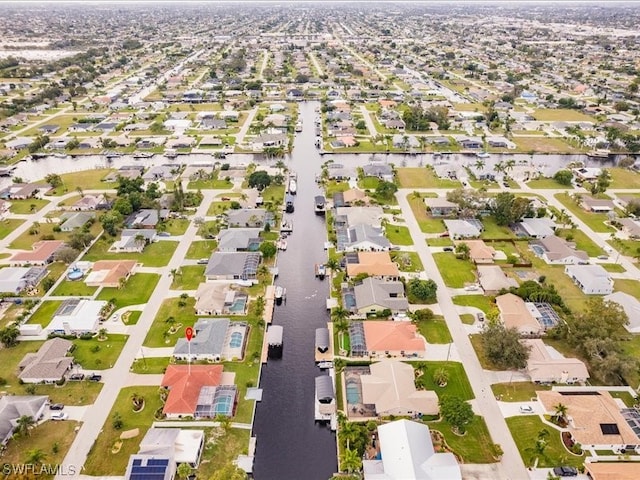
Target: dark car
56 406
95 377
447 249
565 471
76 376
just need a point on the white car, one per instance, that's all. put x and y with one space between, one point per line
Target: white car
59 416
526 409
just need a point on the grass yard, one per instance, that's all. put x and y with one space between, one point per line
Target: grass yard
25 207
44 313
334 186
485 363
101 459
94 354
218 208
478 301
440 242
45 230
86 180
158 335
613 267
175 226
544 183
455 272
398 235
625 247
595 221
468 319
524 430
632 287
369 183
624 178
475 446
222 451
407 261
571 294
131 317
188 277
422 177
156 254
435 330
582 241
9 225
137 291
152 365
457 385
273 194
560 115
493 230
543 145
517 391
428 224
201 249
68 288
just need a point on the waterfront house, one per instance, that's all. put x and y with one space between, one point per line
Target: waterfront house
215 340
233 266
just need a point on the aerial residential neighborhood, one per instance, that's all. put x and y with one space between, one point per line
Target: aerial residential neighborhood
319 241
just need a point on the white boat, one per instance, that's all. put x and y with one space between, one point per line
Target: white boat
170 153
599 154
140 155
321 271
299 127
281 244
293 187
483 155
325 365
279 294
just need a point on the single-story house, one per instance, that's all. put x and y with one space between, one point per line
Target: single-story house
596 421
239 240
547 365
91 202
146 218
338 171
215 340
556 250
354 196
515 314
596 205
16 279
373 264
350 216
49 364
383 171
586 173
75 317
233 266
611 470
492 279
269 140
23 191
12 407
406 452
463 228
374 295
536 227
161 172
19 143
362 237
630 305
591 279
631 227
199 391
480 252
250 218
42 254
73 220
133 240
183 445
219 299
391 388
109 273
380 338
441 207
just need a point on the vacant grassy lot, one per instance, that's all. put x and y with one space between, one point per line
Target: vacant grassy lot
478 301
44 313
543 145
101 459
525 429
517 391
422 178
26 207
428 224
201 249
493 230
94 354
625 247
624 178
632 287
595 221
407 261
188 277
543 183
175 226
398 235
137 291
435 331
86 180
9 225
560 115
159 334
45 230
440 242
68 288
455 272
156 254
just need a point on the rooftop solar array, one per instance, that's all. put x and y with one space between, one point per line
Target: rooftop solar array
356 337
149 469
67 307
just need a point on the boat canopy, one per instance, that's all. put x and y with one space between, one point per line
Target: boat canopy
324 389
322 339
274 335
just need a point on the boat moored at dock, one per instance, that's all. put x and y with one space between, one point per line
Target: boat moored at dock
274 341
320 205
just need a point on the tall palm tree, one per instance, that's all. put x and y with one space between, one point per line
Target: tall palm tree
24 423
509 165
350 461
479 165
184 470
349 432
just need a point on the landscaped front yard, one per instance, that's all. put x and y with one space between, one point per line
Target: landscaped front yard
407 261
398 235
95 354
517 391
595 221
156 254
69 288
188 277
201 249
478 301
455 272
137 291
170 322
475 446
435 330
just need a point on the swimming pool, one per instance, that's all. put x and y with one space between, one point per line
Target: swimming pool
353 393
538 250
236 340
238 305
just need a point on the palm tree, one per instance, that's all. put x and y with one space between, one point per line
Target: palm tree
24 423
349 432
184 470
441 377
499 167
35 455
560 412
102 333
509 165
333 263
479 165
350 461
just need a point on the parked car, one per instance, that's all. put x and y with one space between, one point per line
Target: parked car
59 416
203 261
565 471
480 317
164 234
94 377
56 406
76 376
447 249
526 409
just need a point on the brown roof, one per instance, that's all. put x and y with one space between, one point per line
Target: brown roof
392 336
354 195
612 471
514 313
587 413
373 263
542 366
117 269
41 251
478 250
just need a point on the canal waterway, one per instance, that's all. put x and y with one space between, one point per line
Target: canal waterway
290 445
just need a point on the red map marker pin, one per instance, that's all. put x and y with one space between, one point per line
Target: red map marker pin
188 332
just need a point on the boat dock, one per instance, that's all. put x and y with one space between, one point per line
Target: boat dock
324 341
267 316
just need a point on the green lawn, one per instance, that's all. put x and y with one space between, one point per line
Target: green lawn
137 291
560 115
525 428
68 288
25 207
86 180
625 247
131 317
571 294
455 272
517 391
44 313
188 277
153 365
428 224
440 242
94 354
544 183
435 330
175 226
159 333
9 225
457 385
45 230
398 235
595 221
218 207
468 319
543 145
101 459
369 183
407 261
475 446
632 287
156 254
333 186
493 230
624 178
613 267
201 249
222 451
582 241
273 194
422 178
479 301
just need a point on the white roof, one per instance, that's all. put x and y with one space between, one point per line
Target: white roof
83 318
538 227
631 307
407 453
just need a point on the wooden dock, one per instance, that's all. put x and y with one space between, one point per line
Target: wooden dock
267 316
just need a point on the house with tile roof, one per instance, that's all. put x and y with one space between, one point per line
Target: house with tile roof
49 364
547 365
373 264
109 273
395 339
374 295
42 253
515 314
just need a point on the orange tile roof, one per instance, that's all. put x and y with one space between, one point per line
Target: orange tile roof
184 387
392 336
373 263
612 471
117 269
41 251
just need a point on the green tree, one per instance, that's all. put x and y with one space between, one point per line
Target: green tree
386 190
455 411
229 472
184 470
268 249
54 180
441 376
462 251
507 208
563 177
9 335
35 455
503 347
110 222
350 461
259 179
24 424
423 291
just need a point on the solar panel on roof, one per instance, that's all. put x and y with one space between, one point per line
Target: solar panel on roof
137 461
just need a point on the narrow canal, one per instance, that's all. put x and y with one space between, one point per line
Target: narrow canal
290 445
